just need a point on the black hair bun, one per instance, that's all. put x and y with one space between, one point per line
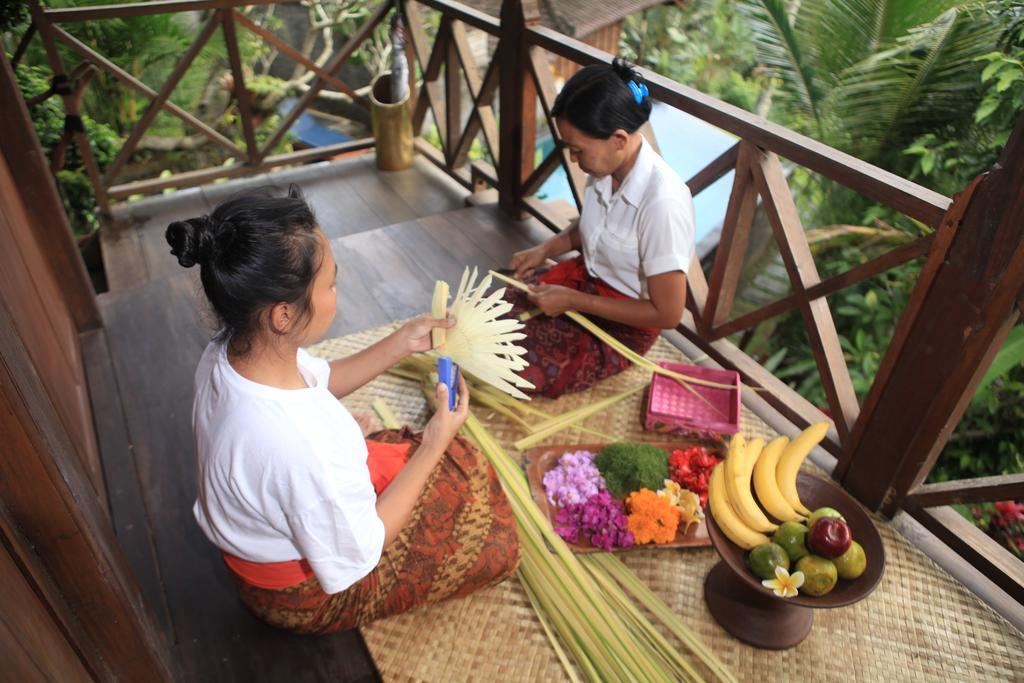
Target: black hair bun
625 70
191 240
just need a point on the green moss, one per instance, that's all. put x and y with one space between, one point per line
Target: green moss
628 467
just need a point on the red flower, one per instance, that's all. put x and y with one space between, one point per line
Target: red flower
691 469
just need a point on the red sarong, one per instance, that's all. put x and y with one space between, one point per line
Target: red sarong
461 537
564 358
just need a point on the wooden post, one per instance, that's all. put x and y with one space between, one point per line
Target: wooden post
19 145
227 18
518 98
960 312
70 108
452 92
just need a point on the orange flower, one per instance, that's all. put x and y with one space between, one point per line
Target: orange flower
652 518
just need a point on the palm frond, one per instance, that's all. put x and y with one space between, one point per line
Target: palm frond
482 341
845 32
779 47
925 81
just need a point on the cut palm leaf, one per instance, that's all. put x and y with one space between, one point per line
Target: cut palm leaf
482 342
387 418
566 420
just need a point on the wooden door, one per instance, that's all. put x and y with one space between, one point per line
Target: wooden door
70 608
43 280
33 643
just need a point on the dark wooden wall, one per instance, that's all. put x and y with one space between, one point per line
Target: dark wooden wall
35 285
66 591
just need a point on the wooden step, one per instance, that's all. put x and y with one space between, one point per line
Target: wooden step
348 196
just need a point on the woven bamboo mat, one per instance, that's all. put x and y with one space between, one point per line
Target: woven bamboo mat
918 625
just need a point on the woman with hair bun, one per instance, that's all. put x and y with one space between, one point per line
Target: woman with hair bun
635 235
320 528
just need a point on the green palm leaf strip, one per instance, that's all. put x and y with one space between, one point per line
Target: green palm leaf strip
560 422
415 367
589 605
633 357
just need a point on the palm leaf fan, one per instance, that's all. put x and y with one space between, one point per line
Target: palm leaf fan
482 341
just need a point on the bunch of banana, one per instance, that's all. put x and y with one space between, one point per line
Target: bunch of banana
739 466
792 457
718 500
774 468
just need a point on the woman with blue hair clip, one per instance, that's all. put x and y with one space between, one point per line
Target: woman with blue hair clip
635 235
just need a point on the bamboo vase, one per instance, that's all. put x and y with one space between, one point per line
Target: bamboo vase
392 126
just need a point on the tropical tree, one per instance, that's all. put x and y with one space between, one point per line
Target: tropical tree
928 90
865 75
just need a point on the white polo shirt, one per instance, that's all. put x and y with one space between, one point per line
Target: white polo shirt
644 228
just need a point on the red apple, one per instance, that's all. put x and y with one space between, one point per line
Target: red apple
829 537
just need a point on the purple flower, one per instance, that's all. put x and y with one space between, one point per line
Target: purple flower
573 480
601 519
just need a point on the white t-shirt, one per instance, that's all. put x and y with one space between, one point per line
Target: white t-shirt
644 228
282 473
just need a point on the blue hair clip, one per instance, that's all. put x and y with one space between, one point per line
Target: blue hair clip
639 91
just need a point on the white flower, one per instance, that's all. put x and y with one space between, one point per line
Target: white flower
785 584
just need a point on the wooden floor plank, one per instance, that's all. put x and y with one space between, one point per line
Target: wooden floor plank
357 306
121 250
363 180
126 502
424 187
398 284
339 209
495 233
431 256
347 196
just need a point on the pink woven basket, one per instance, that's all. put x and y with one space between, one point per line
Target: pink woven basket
672 409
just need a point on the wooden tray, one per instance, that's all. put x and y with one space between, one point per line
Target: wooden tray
543 458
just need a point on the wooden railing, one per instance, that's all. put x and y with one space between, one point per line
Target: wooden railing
249 158
965 301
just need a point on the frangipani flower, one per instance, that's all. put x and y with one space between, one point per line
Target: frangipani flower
785 584
482 342
685 500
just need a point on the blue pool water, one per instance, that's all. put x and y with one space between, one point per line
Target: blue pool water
308 129
688 145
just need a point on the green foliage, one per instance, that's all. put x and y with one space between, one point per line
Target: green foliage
628 467
147 47
1003 78
13 15
870 77
72 181
865 318
917 89
705 45
989 438
1008 358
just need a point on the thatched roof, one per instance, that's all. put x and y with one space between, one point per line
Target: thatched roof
574 18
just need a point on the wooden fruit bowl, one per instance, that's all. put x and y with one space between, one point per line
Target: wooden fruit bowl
753 613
